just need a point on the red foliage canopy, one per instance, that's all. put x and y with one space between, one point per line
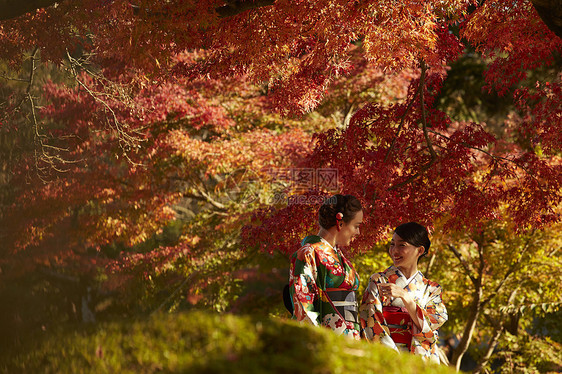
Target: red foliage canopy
160 72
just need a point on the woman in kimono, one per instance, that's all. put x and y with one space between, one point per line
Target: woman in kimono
400 307
322 282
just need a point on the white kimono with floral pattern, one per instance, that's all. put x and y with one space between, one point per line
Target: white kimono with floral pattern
430 309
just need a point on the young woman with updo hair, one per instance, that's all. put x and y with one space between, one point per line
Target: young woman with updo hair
322 282
401 308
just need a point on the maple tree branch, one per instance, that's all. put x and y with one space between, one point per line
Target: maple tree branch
509 272
482 262
4 76
348 114
28 80
499 328
402 120
492 343
463 261
46 156
41 154
233 8
126 139
433 154
493 157
413 177
553 253
177 290
203 196
423 110
429 265
32 69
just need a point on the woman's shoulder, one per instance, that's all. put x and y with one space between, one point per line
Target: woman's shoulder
381 275
311 239
390 275
309 245
389 271
429 282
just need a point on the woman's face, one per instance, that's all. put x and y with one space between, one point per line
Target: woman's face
350 230
404 254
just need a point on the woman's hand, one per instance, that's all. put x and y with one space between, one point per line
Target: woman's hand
392 290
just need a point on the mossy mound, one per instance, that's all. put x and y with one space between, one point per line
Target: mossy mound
200 342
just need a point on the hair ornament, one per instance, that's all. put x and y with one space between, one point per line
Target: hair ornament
339 216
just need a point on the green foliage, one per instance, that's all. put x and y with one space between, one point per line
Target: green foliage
527 354
214 274
370 262
550 325
201 342
514 284
463 98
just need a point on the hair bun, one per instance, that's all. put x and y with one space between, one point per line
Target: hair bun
338 208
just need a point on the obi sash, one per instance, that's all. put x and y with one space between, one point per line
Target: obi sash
345 303
399 323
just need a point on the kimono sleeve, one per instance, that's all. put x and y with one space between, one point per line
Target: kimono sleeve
373 324
433 315
303 287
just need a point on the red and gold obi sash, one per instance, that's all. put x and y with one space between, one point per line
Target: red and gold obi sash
399 323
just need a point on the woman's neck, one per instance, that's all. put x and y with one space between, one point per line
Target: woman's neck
408 271
328 236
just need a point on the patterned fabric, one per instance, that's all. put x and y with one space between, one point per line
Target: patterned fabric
315 267
399 323
430 309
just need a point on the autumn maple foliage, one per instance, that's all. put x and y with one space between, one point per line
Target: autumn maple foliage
411 161
156 103
405 160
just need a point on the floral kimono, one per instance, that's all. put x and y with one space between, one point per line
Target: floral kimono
430 309
316 268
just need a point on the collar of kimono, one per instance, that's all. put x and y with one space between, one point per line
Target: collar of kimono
407 280
326 242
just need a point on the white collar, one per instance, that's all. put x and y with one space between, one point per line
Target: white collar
326 242
408 280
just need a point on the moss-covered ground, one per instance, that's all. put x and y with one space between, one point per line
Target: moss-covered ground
200 342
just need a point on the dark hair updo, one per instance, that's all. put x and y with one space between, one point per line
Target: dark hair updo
348 205
415 234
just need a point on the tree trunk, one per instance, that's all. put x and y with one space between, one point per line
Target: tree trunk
506 321
491 347
461 348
